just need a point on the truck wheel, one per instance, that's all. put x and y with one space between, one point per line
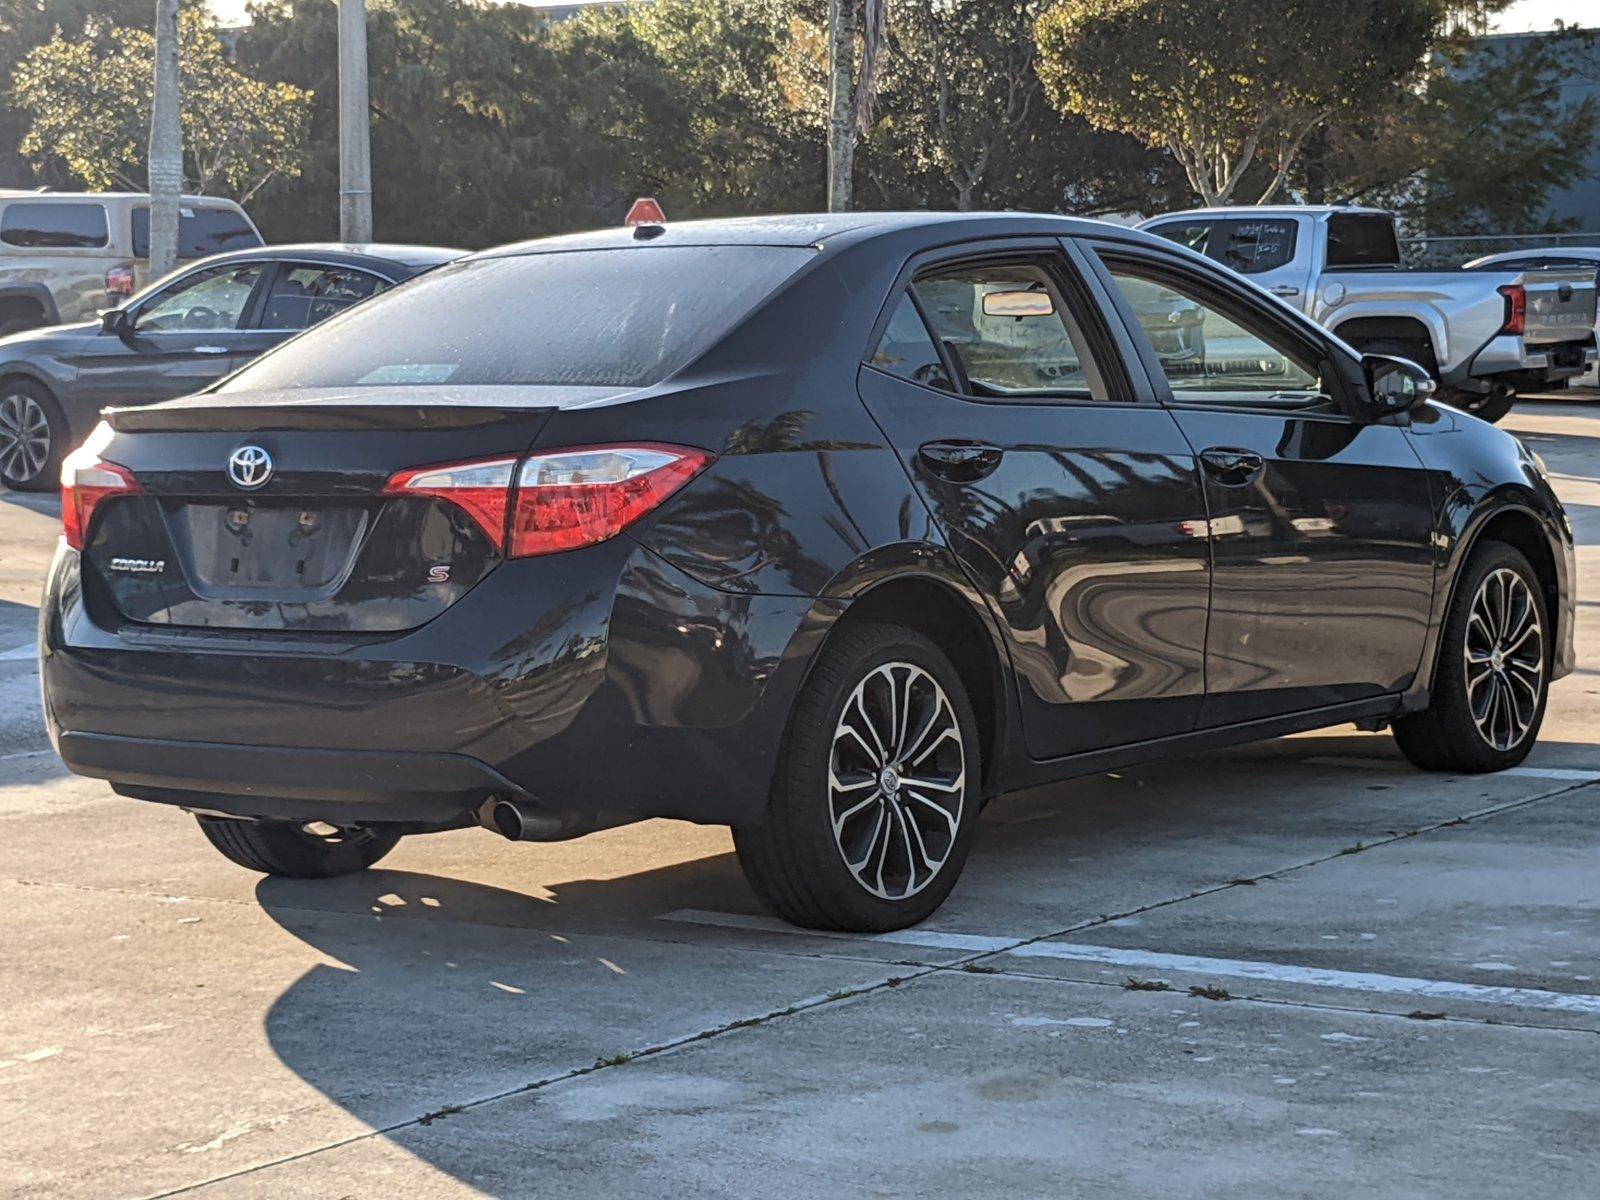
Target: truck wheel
1493 672
298 851
874 804
33 436
1487 406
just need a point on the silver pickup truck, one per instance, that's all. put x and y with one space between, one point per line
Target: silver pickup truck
1484 334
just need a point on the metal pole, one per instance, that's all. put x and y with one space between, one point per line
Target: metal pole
166 145
355 142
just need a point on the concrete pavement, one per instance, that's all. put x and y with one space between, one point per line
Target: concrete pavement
1397 987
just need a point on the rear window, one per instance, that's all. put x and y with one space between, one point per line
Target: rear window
201 231
1248 246
77 226
625 318
1362 240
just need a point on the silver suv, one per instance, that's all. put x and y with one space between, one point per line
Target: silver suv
66 255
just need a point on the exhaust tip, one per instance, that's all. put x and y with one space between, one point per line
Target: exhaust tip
507 820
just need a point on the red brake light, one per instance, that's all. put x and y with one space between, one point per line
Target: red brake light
86 481
561 500
481 489
572 498
1516 308
645 211
119 281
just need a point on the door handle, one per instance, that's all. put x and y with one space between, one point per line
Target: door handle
1230 466
960 462
210 349
1284 290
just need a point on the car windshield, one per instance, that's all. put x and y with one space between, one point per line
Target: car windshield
626 317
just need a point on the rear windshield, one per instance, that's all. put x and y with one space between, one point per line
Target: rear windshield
624 318
201 231
1356 240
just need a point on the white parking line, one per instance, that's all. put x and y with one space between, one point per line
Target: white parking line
1569 774
20 653
1222 968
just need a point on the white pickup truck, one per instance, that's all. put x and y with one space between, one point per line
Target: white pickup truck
1484 334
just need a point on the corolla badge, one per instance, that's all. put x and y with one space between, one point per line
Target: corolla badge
249 466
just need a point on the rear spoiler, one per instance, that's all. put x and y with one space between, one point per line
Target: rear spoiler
222 416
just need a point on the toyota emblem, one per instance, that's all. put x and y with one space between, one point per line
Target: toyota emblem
249 466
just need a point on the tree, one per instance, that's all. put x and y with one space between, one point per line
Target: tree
88 99
1224 86
964 122
841 102
166 143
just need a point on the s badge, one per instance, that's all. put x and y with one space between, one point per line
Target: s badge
439 574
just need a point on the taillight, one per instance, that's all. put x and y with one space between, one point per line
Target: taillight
481 489
561 500
572 498
86 482
119 281
1516 308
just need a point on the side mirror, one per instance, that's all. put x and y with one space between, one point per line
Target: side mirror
116 320
1396 384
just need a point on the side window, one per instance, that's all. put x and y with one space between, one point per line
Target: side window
207 301
70 226
302 295
1211 351
201 232
1247 246
1007 328
906 349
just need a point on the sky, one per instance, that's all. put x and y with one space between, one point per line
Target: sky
1520 17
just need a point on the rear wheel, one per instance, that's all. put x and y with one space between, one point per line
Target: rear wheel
1489 406
33 436
875 801
312 850
1493 675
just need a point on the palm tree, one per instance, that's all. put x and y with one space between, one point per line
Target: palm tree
166 145
850 98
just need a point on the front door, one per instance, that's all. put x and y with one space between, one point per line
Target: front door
181 339
1075 509
1320 524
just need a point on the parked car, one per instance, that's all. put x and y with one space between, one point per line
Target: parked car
66 255
777 523
1485 335
179 336
1582 258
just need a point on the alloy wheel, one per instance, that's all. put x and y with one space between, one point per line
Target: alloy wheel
1504 659
24 437
896 780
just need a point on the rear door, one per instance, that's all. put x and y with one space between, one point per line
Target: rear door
1075 508
298 295
182 338
1320 525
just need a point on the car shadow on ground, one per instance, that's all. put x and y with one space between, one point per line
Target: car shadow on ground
439 991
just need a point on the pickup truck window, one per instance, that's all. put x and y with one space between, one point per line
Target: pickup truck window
75 226
1210 352
1247 246
1362 240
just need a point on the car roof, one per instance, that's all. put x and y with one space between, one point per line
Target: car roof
407 259
1588 253
821 230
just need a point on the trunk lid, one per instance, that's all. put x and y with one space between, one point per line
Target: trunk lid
1561 304
314 546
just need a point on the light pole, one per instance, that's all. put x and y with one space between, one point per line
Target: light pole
355 141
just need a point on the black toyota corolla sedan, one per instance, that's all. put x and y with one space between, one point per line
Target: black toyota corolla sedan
830 529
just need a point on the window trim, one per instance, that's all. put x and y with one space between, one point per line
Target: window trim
1210 281
1049 254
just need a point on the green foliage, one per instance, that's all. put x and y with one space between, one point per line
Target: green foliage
1220 84
88 100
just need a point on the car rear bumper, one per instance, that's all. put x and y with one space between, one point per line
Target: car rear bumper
603 682
1509 359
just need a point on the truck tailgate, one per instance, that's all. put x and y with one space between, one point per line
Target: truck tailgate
1561 305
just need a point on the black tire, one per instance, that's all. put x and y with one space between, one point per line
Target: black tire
796 861
10 325
1448 735
26 463
294 851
